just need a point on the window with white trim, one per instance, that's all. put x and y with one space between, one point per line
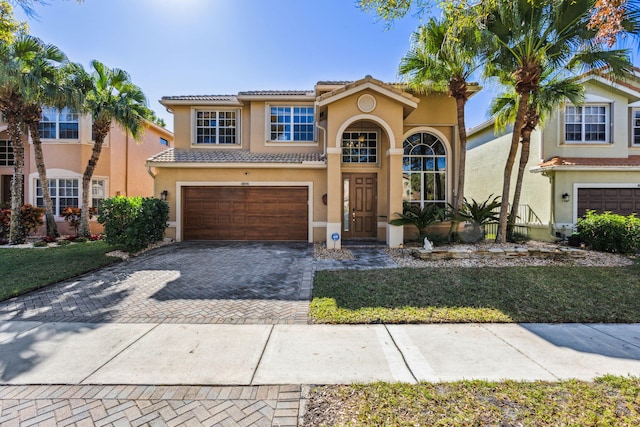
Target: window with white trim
586 124
58 124
6 153
98 191
216 127
360 147
424 170
635 125
291 123
63 191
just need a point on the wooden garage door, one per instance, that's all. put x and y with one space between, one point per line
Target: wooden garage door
245 213
623 201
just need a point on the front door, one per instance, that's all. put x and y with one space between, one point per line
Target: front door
359 207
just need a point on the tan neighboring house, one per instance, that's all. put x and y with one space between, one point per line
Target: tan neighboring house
585 157
330 164
67 144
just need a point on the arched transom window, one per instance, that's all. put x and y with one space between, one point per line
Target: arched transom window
424 170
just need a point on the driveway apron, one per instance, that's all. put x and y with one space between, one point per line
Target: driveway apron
188 282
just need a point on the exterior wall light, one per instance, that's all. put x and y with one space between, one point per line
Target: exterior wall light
164 195
565 197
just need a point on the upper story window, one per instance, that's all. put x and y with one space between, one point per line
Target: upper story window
587 124
163 141
58 124
635 124
6 153
359 147
291 123
424 170
216 127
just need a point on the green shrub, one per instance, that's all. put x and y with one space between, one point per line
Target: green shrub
610 232
133 222
63 242
40 244
420 217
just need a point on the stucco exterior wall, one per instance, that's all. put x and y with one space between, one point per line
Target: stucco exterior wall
485 174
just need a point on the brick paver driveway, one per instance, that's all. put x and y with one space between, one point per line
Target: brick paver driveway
188 282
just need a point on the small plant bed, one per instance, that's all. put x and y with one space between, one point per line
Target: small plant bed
553 294
608 401
24 270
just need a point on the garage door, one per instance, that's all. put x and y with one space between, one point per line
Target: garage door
623 201
245 213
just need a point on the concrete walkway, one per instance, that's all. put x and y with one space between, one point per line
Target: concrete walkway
252 355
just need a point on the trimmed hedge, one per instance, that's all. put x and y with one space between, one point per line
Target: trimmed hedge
610 232
133 222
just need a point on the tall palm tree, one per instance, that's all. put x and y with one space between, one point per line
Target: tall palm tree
442 59
553 91
25 63
532 36
41 87
109 96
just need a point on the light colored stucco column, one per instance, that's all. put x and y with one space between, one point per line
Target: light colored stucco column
334 197
395 233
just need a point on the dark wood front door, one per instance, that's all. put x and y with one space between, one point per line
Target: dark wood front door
359 208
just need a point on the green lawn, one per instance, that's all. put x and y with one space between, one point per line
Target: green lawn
496 294
26 269
608 401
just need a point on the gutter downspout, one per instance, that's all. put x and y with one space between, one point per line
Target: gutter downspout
126 164
153 175
552 213
324 140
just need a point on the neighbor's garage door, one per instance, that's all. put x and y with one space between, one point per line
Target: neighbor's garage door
622 201
245 213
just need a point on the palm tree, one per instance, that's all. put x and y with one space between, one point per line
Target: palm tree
41 87
532 36
442 59
553 91
109 96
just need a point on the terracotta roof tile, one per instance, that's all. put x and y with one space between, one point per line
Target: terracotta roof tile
276 93
590 161
197 155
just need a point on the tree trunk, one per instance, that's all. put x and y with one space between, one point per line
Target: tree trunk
524 159
16 233
32 121
501 235
458 89
100 134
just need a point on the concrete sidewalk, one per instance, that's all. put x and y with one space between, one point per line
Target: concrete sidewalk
254 355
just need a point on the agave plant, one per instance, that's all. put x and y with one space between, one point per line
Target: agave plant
420 217
480 213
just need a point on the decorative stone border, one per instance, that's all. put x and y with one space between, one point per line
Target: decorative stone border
558 253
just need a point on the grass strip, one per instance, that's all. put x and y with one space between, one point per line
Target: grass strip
24 270
608 401
485 294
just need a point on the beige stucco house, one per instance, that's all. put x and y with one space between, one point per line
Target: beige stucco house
67 144
585 157
330 164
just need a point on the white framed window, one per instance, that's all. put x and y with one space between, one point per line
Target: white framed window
64 193
6 153
291 123
424 170
98 192
58 124
360 147
586 124
635 127
216 127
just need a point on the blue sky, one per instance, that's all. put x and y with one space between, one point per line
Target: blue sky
217 47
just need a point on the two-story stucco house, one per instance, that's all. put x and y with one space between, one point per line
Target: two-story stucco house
330 164
67 144
585 157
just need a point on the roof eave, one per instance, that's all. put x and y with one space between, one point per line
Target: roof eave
230 165
283 97
200 102
578 168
